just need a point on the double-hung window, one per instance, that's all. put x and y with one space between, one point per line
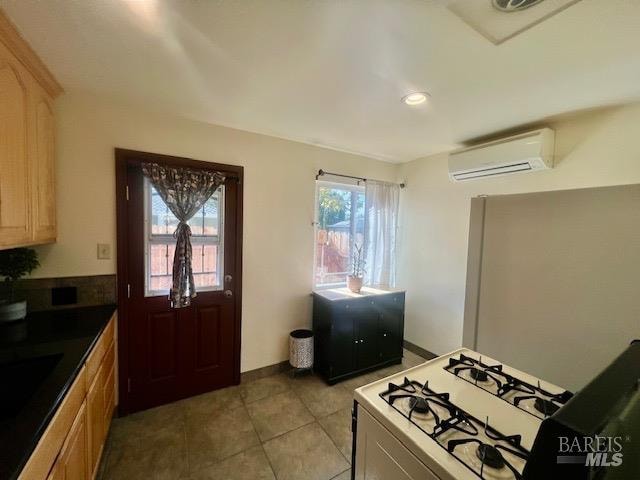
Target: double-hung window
339 229
160 245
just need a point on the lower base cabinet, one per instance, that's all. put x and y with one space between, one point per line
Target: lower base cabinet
356 333
100 404
72 445
72 463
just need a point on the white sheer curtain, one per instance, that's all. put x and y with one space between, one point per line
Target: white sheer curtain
381 224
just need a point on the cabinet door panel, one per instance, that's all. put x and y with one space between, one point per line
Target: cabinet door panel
366 320
109 399
108 388
342 339
43 176
72 461
56 473
95 420
14 169
391 311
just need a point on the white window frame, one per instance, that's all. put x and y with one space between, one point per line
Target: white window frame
354 188
151 239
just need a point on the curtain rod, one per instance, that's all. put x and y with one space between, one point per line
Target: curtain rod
322 173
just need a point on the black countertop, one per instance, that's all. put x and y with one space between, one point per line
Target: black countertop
40 358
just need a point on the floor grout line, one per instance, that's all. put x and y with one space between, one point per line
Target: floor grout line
334 443
289 386
273 470
228 456
292 430
347 470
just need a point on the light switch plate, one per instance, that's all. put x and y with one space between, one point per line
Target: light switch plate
104 251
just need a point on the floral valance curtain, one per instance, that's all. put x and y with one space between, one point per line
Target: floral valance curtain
185 191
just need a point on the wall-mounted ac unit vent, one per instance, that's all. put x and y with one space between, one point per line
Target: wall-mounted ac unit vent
521 153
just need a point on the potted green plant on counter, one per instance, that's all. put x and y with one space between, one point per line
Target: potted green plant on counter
15 264
354 280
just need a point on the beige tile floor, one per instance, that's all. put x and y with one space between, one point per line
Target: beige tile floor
277 427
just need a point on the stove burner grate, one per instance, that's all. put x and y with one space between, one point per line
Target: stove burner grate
422 399
479 375
547 407
480 372
419 405
490 456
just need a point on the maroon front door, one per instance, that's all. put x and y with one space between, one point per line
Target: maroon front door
166 353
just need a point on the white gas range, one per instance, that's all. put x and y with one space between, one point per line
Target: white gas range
459 416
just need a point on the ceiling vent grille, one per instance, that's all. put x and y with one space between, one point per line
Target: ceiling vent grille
513 5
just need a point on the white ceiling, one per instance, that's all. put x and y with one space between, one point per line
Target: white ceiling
332 72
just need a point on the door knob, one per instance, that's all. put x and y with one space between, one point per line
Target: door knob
228 278
228 293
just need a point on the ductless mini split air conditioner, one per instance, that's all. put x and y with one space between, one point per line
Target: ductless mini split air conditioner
521 153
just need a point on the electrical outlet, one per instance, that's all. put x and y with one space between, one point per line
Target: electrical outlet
104 251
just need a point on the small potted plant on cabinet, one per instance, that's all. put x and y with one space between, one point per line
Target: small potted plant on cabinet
15 264
354 280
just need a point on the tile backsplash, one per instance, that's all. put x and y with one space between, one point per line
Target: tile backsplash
45 293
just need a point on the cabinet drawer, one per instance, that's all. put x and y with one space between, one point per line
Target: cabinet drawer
71 463
108 392
98 353
50 443
109 397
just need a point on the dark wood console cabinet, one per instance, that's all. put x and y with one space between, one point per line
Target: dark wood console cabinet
356 333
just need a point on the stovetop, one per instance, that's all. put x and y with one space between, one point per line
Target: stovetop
531 398
455 421
481 448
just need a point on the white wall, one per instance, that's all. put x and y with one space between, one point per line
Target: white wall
592 149
599 148
278 205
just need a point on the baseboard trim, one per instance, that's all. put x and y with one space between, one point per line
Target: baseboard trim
263 372
412 347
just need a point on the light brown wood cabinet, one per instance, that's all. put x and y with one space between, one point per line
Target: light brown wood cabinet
27 183
72 462
100 404
71 446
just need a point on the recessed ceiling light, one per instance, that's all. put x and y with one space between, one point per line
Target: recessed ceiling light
415 98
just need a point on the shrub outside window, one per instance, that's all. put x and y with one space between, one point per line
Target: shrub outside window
339 227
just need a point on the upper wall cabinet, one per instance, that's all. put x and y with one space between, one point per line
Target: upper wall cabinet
27 188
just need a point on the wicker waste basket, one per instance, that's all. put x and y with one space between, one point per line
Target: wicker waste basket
301 349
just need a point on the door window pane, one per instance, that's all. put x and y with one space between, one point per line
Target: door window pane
206 240
339 226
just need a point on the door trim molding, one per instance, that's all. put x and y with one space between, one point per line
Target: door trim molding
123 159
